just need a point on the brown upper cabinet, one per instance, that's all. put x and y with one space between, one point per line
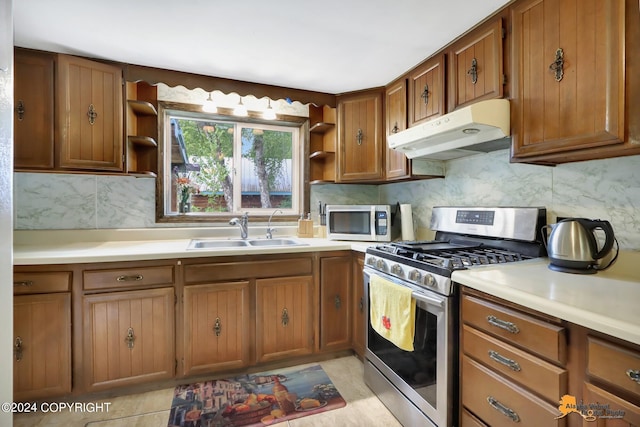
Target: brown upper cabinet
33 120
396 163
360 136
569 87
89 114
427 90
476 65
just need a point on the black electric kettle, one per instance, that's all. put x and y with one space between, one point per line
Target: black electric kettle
573 248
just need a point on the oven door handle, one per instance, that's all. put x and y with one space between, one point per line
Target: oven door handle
427 299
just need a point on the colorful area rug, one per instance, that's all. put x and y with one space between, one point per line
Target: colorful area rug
256 399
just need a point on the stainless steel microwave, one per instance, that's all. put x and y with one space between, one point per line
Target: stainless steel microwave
369 223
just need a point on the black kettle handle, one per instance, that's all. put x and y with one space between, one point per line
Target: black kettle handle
608 232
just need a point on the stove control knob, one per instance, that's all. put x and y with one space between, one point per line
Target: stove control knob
381 265
415 276
429 280
397 270
371 260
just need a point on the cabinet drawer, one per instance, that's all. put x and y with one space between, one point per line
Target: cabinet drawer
128 277
224 271
542 377
537 336
614 364
499 402
41 282
468 420
623 412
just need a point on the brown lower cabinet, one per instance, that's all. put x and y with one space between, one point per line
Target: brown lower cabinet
216 327
284 317
359 315
335 303
128 337
517 366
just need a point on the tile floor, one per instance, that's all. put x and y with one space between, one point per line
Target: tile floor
151 409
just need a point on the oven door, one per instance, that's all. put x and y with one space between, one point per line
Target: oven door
423 376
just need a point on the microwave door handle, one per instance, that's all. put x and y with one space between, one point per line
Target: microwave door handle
374 220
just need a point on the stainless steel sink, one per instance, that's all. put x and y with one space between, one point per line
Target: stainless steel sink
276 242
228 243
216 244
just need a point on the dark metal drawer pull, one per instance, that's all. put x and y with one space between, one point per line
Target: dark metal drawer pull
133 278
337 302
130 338
510 363
17 349
20 110
503 324
217 327
285 317
634 375
510 413
23 283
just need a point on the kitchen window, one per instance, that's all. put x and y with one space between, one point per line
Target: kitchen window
216 166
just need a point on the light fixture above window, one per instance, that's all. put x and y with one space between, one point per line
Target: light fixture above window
269 113
209 105
240 109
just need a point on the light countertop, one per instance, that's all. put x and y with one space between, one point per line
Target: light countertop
68 247
606 301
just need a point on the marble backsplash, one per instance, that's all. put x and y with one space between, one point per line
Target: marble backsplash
605 189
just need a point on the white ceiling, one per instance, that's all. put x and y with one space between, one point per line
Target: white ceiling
332 46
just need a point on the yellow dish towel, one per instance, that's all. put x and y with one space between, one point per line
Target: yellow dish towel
392 311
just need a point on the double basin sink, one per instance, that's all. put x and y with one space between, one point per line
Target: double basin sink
232 243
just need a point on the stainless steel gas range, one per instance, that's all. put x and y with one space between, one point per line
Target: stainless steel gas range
420 386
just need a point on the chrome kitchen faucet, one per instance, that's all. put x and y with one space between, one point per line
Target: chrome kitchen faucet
243 223
270 230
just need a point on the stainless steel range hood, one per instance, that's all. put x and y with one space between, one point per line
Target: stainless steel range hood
478 128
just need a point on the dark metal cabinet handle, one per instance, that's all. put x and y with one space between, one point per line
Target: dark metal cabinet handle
130 338
507 412
361 305
473 71
557 66
132 278
285 317
425 94
337 302
510 363
503 324
17 349
26 283
20 110
92 114
359 136
217 327
634 375
395 128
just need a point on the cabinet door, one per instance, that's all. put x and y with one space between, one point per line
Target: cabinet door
396 163
476 70
33 118
89 114
359 315
427 91
284 317
568 77
216 327
128 337
42 346
625 413
335 303
360 137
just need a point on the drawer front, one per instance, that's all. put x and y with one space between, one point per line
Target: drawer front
128 277
41 282
498 402
542 338
623 412
542 377
614 364
468 420
224 271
